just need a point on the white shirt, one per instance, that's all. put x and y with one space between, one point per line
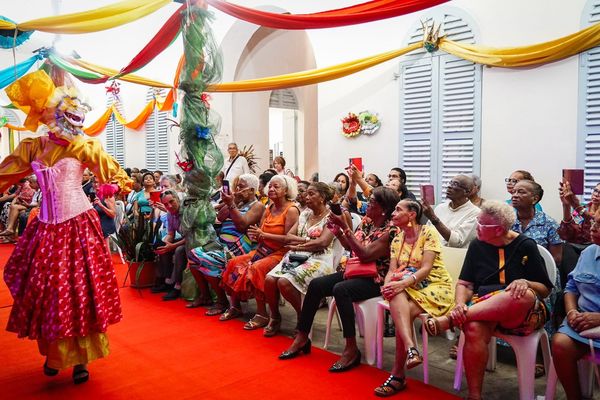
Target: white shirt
239 167
461 221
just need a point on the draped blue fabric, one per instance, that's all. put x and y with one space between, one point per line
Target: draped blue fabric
12 73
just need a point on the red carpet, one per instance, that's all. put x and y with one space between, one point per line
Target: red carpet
161 350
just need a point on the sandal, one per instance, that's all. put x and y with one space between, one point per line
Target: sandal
413 358
199 302
433 327
453 353
80 374
230 313
8 240
540 370
49 371
7 232
216 310
256 322
389 388
272 328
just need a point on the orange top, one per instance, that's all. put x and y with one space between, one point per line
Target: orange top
275 225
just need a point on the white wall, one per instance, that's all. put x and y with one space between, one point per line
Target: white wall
529 115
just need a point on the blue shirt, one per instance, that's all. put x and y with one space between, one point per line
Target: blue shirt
584 280
542 228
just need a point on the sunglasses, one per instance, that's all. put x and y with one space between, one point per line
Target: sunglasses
487 226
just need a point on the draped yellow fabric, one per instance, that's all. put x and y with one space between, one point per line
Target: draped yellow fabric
522 56
311 76
97 127
113 72
99 19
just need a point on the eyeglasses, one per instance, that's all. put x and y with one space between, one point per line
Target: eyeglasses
596 191
457 184
487 226
511 180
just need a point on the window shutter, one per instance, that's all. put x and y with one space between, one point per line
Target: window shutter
115 136
459 119
441 109
157 137
589 107
416 124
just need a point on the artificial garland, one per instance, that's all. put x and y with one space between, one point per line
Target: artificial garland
365 123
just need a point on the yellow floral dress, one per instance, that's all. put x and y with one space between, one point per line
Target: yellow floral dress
435 294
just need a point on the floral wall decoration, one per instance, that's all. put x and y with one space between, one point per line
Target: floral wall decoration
365 123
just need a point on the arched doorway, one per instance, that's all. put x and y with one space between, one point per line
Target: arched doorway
283 128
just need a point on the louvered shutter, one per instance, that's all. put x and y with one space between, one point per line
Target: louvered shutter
441 109
589 108
458 119
157 139
417 122
115 136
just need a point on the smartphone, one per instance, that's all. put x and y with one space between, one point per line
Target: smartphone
336 208
155 196
226 188
92 196
576 178
357 162
428 194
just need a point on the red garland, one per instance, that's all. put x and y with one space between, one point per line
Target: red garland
351 125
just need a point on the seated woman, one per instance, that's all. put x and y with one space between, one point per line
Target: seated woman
416 282
516 177
582 303
501 286
291 277
370 243
244 276
23 201
575 225
104 204
241 210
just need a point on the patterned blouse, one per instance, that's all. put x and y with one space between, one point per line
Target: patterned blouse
542 228
367 233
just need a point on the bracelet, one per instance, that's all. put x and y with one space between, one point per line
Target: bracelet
414 277
347 231
570 311
565 221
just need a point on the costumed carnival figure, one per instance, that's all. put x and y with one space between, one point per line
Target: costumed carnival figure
60 273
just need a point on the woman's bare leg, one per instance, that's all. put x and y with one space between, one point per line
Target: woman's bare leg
403 312
566 352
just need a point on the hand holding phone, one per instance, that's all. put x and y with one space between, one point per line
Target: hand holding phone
357 162
226 189
155 196
575 177
336 208
427 194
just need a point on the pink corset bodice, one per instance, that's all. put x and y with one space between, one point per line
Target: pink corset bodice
62 195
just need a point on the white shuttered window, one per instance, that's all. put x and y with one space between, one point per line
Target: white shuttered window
115 136
157 139
440 115
588 154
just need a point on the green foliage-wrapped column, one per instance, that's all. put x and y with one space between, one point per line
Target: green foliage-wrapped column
203 66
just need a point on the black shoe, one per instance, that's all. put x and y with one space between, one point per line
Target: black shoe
338 367
286 355
49 371
173 294
161 288
80 374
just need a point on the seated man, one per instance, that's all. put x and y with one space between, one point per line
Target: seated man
172 258
456 218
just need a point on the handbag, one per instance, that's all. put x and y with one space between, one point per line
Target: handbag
357 269
293 261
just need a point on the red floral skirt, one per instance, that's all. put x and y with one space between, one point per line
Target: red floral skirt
62 280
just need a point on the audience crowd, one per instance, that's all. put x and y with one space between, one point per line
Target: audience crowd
360 237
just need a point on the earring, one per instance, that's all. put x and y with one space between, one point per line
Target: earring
383 213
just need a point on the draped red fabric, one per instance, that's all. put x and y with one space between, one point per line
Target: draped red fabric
163 38
365 12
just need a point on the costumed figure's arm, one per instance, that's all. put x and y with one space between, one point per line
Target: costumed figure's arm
18 164
105 168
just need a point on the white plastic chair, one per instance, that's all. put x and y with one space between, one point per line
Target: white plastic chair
356 219
383 305
366 319
525 347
